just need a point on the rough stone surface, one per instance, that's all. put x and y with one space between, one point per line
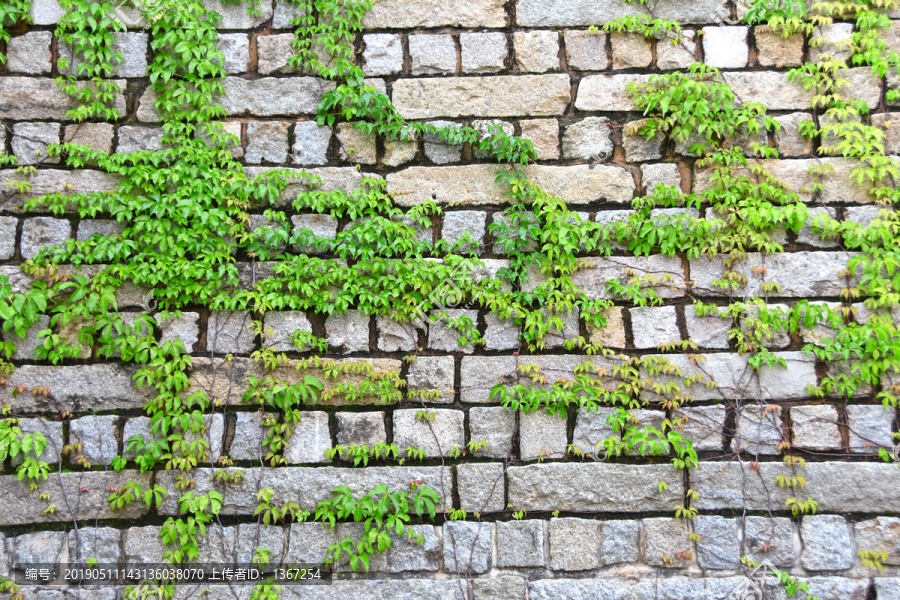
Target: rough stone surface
613 335
679 55
499 96
356 146
102 543
607 92
397 152
283 325
586 51
660 174
432 54
759 431
504 587
439 152
98 434
134 139
537 51
621 542
236 48
41 232
630 51
230 332
349 331
27 98
483 52
664 539
870 428
815 427
707 331
773 89
589 139
248 436
407 555
467 546
383 54
99 136
433 373
494 425
458 223
541 435
774 50
520 543
401 14
360 429
8 237
704 426
310 440
544 136
394 336
832 40
481 487
310 145
133 47
574 544
827 544
29 53
537 13
267 142
591 428
881 534
270 96
653 326
769 538
726 47
436 438
30 142
274 52
718 547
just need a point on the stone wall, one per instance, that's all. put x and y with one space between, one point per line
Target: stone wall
591 529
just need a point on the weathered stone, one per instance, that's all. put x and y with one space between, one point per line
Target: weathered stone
52 433
815 427
769 538
660 174
437 438
458 223
439 152
494 425
133 47
349 331
870 428
100 543
483 52
500 96
759 430
30 142
310 440
8 227
703 426
248 435
361 429
775 92
230 332
76 388
236 48
593 279
621 542
45 12
630 51
394 336
186 329
534 13
135 139
320 226
479 374
383 54
235 16
613 335
402 14
504 587
881 534
488 128
49 181
406 555
591 428
481 487
467 547
308 543
541 435
520 543
29 53
430 374
432 54
267 142
887 588
664 540
398 152
310 143
890 124
43 232
678 55
574 544
726 47
251 536
654 326
98 434
833 40
573 487
274 52
827 544
90 488
537 51
28 98
272 96
214 434
283 325
104 227
718 547
47 547
586 51
589 139
356 146
544 136
707 331
774 50
443 338
607 92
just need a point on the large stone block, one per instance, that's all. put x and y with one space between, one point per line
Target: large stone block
607 92
881 534
43 232
481 487
28 98
433 373
666 543
230 332
98 434
467 546
561 13
542 435
776 92
661 272
271 96
574 544
29 53
498 96
718 547
77 388
412 14
827 543
437 438
494 425
432 54
771 539
310 440
520 543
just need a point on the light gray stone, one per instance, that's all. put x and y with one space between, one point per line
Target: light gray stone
8 227
30 142
43 232
487 128
458 223
541 435
409 555
361 429
834 40
630 51
591 429
881 534
285 12
483 52
494 425
214 434
707 331
101 543
383 54
443 338
607 92
703 426
621 542
432 54
664 539
41 547
537 51
499 96
759 431
53 437
467 547
230 332
308 543
726 47
28 98
827 543
718 547
775 92
283 325
572 487
248 436
555 337
539 13
46 12
478 374
398 152
251 536
660 174
544 136
402 14
439 152
271 96
274 53
586 51
104 227
310 440
653 326
186 329
588 139
394 336
77 388
890 124
236 48
29 53
870 428
436 438
134 139
887 588
143 545
433 373
356 146
574 544
267 142
679 55
133 46
98 434
500 335
481 487
26 347
788 139
349 331
235 16
504 587
520 543
815 427
769 538
599 271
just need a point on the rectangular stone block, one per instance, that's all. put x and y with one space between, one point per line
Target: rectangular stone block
29 98
593 487
661 272
574 544
498 96
775 92
520 543
50 181
437 438
481 487
555 13
607 92
412 14
78 388
272 96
